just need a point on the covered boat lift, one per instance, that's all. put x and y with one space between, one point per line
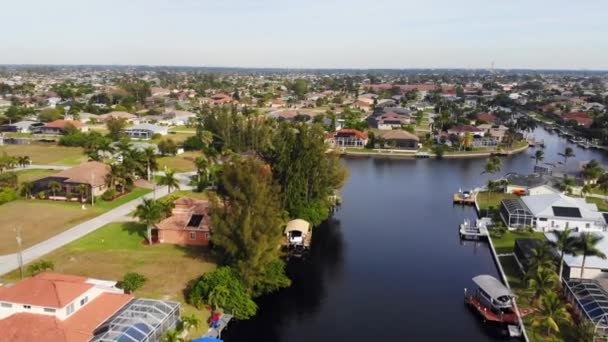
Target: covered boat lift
493 300
298 235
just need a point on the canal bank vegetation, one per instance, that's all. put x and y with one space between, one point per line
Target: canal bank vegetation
270 172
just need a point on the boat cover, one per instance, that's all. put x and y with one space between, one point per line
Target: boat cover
297 225
492 286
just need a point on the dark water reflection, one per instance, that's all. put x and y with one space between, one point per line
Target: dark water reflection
390 266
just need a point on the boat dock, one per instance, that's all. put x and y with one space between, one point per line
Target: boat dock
215 331
476 231
465 197
298 237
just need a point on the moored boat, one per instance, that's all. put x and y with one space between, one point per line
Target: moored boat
493 300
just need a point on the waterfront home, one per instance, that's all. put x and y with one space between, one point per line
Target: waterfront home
574 168
189 224
533 184
581 118
552 212
61 126
145 131
595 267
22 127
92 174
496 132
398 139
347 137
461 130
392 120
60 307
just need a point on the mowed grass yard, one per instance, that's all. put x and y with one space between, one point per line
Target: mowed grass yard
117 248
506 243
602 205
492 200
31 175
47 154
180 163
42 219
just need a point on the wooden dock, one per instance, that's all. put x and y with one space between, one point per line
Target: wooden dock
489 315
476 231
460 198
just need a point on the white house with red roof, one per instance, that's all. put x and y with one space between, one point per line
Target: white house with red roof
60 307
60 126
347 137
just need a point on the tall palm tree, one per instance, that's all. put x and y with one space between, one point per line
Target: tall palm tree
149 212
202 171
542 282
592 170
53 187
468 140
566 243
586 190
169 180
539 156
542 257
568 153
551 313
149 156
23 161
492 166
587 246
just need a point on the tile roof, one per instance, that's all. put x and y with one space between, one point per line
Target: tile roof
45 290
92 172
181 215
348 131
63 123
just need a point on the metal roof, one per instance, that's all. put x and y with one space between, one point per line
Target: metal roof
492 286
592 299
298 225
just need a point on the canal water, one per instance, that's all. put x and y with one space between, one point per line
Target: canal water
390 266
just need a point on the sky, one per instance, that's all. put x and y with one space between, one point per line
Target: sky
535 34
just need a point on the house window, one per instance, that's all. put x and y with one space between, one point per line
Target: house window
27 306
542 219
207 236
192 235
49 310
84 300
70 309
6 305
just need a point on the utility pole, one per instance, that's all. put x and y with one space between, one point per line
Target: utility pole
20 251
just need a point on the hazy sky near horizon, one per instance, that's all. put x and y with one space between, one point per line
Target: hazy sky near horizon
308 33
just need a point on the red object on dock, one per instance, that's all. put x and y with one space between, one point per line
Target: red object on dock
489 315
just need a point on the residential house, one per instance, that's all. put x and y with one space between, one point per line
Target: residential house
581 118
487 117
552 212
189 224
392 120
22 127
219 99
92 174
398 139
128 117
595 267
60 126
145 131
533 184
497 132
461 130
66 308
177 117
347 137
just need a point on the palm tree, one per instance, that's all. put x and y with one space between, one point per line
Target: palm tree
81 189
190 321
492 166
23 161
172 336
551 313
202 171
169 180
468 140
539 156
26 189
542 257
565 242
149 156
53 187
542 282
587 246
149 212
568 183
586 190
568 153
592 170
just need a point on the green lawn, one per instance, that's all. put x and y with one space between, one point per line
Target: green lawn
117 248
180 163
602 205
42 219
506 242
33 174
177 137
492 200
47 154
183 128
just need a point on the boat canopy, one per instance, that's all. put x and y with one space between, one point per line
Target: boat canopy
492 286
297 225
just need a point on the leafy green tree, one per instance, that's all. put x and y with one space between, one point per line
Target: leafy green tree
149 212
551 313
248 223
587 246
132 281
115 127
592 170
542 282
167 147
26 189
190 321
300 88
567 183
40 266
50 114
169 180
223 288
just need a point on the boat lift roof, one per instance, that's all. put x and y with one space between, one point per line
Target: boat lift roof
298 225
492 286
